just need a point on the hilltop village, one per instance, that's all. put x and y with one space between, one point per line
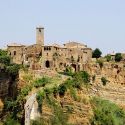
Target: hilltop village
39 55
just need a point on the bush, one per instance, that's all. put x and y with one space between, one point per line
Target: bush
68 71
11 121
40 96
3 52
108 58
96 53
25 90
41 82
13 69
104 80
118 57
5 60
62 89
55 91
106 113
82 76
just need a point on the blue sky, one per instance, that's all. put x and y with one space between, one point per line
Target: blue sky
97 23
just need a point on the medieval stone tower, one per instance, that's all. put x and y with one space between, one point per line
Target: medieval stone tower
40 35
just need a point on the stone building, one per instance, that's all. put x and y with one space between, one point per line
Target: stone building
53 56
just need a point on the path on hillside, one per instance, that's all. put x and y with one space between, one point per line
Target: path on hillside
28 108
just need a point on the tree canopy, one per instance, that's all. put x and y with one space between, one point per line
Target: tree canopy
118 57
96 53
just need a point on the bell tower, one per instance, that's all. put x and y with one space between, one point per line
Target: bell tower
40 35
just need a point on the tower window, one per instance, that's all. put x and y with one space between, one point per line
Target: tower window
39 30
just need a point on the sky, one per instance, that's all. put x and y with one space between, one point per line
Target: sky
97 23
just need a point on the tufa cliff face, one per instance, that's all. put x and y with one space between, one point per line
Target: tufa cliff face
114 73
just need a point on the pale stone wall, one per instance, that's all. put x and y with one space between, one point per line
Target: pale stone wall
16 52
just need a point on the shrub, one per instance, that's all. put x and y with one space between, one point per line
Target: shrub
104 80
11 121
106 113
108 58
62 89
13 69
96 53
41 82
85 76
68 71
40 96
55 91
3 52
118 57
25 90
5 60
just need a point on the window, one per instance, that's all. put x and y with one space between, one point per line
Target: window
14 53
44 48
49 48
39 30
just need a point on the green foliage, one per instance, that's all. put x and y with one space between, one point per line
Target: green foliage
100 62
118 57
55 91
9 104
13 69
73 93
11 121
107 113
3 52
108 58
25 90
62 89
41 82
81 77
68 71
78 79
104 81
40 97
5 59
96 53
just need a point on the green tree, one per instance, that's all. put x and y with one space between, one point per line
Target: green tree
118 57
96 53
